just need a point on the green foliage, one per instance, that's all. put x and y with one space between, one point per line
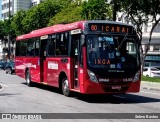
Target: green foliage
96 9
144 78
141 12
2 30
52 12
17 24
68 15
39 16
6 29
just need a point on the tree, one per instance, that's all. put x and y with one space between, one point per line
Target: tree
17 24
96 9
2 30
39 16
141 12
68 15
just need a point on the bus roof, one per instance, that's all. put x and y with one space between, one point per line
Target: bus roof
63 27
51 30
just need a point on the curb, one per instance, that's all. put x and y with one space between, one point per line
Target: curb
150 85
151 88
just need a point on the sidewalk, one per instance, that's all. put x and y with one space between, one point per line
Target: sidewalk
150 85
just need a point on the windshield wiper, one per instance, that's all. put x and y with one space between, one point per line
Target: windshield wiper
124 39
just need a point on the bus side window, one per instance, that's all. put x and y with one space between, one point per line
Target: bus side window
62 44
17 48
22 48
51 46
37 47
30 47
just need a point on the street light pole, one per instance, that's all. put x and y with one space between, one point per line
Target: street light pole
9 49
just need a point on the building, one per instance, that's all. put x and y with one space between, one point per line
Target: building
36 2
11 7
0 9
16 5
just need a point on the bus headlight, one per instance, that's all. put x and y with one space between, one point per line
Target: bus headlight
92 76
137 76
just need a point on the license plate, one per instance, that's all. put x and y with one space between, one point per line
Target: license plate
116 87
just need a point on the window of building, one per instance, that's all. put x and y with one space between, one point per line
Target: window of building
34 3
7 5
10 4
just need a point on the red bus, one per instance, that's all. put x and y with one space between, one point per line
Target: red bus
89 57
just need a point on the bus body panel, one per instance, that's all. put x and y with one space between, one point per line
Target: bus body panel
104 88
54 67
32 64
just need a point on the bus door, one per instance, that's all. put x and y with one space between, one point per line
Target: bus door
43 52
75 50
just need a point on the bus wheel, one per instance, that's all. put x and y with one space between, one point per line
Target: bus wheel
65 87
28 78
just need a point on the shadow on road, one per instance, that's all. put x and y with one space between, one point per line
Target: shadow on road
118 99
7 94
114 99
45 87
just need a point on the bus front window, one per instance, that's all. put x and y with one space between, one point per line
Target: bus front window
112 52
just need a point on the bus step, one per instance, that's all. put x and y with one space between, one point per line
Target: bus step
75 90
44 83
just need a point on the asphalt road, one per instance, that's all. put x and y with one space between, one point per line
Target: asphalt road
17 97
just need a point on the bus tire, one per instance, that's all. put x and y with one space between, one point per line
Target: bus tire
65 87
28 79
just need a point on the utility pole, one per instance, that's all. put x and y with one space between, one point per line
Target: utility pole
114 10
9 48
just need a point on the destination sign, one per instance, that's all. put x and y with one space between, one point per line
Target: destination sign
110 28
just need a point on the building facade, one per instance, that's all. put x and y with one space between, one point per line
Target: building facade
11 7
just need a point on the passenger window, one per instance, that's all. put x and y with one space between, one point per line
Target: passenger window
30 47
51 46
22 48
37 47
17 48
62 44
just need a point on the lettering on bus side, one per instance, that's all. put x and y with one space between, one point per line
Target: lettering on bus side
53 65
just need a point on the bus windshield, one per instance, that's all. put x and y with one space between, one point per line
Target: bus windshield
112 52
